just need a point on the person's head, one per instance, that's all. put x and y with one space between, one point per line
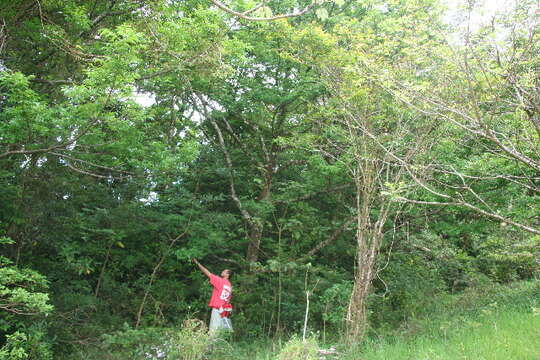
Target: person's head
226 274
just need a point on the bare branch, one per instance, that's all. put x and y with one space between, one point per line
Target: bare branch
156 269
247 216
52 82
84 172
475 208
89 163
331 238
255 8
241 143
243 15
13 308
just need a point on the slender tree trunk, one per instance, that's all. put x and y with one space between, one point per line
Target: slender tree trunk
256 227
102 272
154 274
356 315
255 235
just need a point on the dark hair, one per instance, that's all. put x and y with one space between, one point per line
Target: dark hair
230 272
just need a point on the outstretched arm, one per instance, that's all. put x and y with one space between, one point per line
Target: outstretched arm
203 269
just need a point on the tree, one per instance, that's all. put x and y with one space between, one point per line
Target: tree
372 135
262 11
252 117
485 91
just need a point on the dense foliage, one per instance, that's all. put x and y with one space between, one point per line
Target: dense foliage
360 157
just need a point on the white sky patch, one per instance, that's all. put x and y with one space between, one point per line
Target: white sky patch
482 13
144 99
42 160
483 10
150 199
382 7
72 145
26 161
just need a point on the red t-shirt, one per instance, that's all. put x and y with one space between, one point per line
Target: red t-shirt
222 292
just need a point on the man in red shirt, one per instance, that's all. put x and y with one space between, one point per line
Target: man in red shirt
220 301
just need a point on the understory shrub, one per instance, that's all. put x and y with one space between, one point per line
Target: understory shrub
296 349
505 260
191 342
29 344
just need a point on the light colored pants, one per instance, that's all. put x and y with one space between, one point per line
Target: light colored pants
219 323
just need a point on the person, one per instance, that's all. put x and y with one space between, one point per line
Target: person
220 301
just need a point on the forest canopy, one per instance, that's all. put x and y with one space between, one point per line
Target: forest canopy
359 156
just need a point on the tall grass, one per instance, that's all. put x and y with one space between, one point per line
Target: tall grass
504 335
493 322
481 324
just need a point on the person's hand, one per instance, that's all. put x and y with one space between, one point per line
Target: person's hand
195 261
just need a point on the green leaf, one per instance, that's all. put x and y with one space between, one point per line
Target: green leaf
264 11
322 13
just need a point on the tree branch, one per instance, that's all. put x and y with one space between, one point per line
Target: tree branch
331 238
89 163
475 208
243 15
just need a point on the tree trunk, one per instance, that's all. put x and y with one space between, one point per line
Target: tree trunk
365 272
255 235
368 237
255 225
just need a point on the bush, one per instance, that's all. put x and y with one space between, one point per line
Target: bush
29 345
21 290
191 342
404 289
23 300
506 259
296 349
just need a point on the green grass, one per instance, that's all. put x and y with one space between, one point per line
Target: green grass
501 335
493 322
482 324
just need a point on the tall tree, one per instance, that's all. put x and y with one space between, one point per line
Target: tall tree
372 134
484 88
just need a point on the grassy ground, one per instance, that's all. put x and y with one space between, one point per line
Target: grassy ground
493 323
489 323
501 335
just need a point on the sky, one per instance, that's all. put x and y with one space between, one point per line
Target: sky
485 9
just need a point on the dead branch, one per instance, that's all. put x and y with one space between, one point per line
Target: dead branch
331 238
98 176
476 209
244 15
155 270
89 163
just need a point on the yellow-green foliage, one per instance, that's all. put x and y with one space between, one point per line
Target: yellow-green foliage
296 349
192 342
